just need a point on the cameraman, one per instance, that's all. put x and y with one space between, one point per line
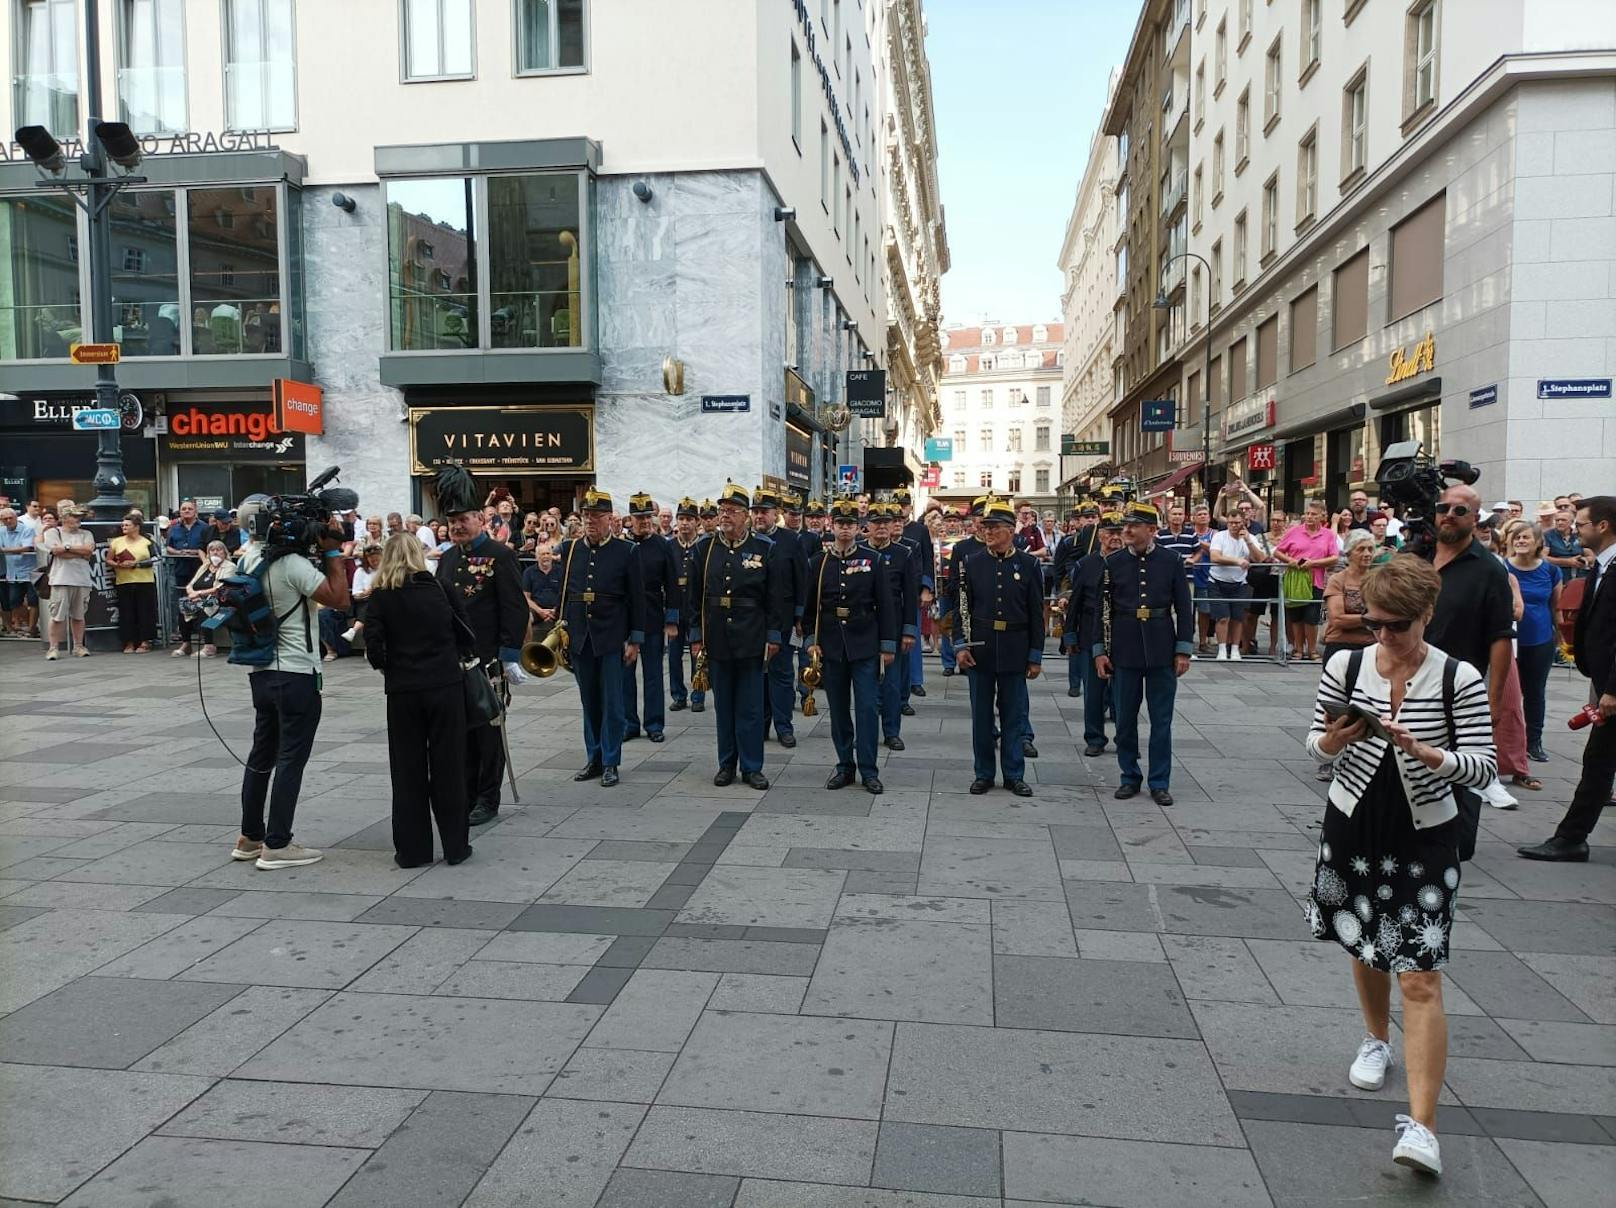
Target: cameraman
285 694
1475 613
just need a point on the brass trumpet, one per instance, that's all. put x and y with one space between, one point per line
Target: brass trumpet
544 658
812 676
700 681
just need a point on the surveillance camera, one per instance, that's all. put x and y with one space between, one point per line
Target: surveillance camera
642 190
343 202
784 213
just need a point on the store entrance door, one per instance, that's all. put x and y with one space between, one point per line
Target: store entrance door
530 494
221 487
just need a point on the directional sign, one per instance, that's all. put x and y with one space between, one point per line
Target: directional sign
719 403
94 354
92 420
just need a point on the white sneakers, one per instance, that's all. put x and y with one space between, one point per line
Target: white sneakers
1228 654
1416 1147
1223 654
1369 1067
290 856
1234 654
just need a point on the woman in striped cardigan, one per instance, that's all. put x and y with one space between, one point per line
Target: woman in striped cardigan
1388 866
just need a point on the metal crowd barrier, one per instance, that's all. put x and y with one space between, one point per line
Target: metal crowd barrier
1282 658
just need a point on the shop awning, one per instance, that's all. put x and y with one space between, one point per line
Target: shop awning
886 467
1188 470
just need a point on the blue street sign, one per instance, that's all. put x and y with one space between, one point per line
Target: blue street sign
92 420
1158 415
711 403
1573 388
940 448
1483 395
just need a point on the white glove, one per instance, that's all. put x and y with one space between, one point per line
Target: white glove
514 675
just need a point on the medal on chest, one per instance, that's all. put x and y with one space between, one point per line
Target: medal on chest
474 575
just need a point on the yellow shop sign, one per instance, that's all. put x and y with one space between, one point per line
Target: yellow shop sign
1421 358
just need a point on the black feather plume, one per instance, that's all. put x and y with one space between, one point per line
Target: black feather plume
456 490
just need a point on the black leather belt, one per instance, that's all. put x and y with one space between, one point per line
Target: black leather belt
843 614
741 602
598 597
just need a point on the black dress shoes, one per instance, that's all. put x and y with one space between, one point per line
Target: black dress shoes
1019 787
608 776
894 743
676 706
1094 749
699 706
1564 851
978 787
839 780
481 813
1125 791
874 786
918 690
592 772
1028 751
947 671
788 740
907 710
657 736
1161 797
724 776
756 780
461 858
1074 692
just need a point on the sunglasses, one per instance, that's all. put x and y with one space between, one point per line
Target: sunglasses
1374 626
1456 509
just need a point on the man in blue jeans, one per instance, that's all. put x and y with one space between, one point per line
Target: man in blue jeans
1141 636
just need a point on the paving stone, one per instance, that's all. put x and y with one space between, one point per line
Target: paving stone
76 1122
757 897
154 862
612 1076
106 1022
592 920
671 897
1532 1086
820 1067
927 1157
190 1170
755 1144
177 950
437 1043
707 931
327 907
1311 1164
295 1113
1032 929
1129 1174
881 969
1568 1043
731 956
1141 1088
1225 857
758 992
1112 906
1094 842
1126 998
626 951
1503 986
1585 980
425 961
292 953
1252 913
1119 945
513 979
990 868
766 1193
911 908
880 882
655 1011
516 869
10 916
668 1189
857 861
438 1154
638 849
441 912
233 1034
1499 1122
1558 927
597 882
74 895
1563 1176
188 901
562 1156
47 952
600 986
1217 967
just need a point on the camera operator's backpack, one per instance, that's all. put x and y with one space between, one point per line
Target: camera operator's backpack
245 613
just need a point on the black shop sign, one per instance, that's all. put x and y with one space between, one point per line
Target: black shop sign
867 392
503 440
799 458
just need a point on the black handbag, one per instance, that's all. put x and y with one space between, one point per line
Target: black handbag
483 705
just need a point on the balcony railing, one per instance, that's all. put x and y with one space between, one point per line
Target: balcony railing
1173 194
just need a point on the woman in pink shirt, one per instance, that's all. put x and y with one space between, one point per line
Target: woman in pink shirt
1309 546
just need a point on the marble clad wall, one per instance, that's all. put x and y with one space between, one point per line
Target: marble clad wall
345 285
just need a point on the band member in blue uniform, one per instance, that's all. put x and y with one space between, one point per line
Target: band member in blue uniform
903 577
780 672
1080 607
791 519
1141 636
816 527
707 518
915 532
603 605
851 622
484 575
682 545
1001 602
1072 547
741 612
963 548
661 577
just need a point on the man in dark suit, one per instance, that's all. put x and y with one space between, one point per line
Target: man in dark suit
1141 635
903 581
741 614
1088 573
1072 548
779 672
915 532
1594 642
963 548
1001 592
660 572
851 621
603 605
682 545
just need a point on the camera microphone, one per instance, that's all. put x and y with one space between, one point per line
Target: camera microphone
327 475
340 499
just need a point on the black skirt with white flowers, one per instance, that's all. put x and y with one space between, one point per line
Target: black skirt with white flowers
1384 890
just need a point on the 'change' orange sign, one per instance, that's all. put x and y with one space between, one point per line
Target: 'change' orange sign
299 407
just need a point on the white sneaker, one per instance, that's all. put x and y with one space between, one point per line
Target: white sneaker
1497 796
50 655
1234 654
348 635
1369 1068
1223 654
290 856
1416 1147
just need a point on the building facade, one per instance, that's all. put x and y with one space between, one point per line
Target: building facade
509 232
1001 411
1088 312
1404 220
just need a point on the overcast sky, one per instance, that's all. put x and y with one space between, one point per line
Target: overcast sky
1018 87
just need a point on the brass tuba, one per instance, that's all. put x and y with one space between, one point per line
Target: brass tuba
700 681
544 658
812 675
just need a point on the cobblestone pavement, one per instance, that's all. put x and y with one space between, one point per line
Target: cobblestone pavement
668 994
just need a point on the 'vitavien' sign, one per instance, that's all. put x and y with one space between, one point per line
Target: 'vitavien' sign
506 440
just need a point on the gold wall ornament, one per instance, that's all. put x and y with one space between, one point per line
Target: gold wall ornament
673 375
1421 358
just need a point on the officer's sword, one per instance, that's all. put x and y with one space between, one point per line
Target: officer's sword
505 738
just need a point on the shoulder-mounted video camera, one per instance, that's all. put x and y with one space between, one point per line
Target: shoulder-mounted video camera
1413 480
294 523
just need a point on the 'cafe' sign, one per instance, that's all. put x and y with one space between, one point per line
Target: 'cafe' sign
1421 358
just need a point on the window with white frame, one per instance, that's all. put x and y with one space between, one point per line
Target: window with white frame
1040 333
1307 175
1040 479
1312 31
836 192
1200 93
1273 84
45 65
985 480
1217 168
1018 397
985 399
796 96
1239 249
260 70
1043 396
1270 216
984 440
151 66
956 364
438 40
1007 335
1245 21
959 479
959 439
1355 124
1217 274
1220 57
1013 481
1421 56
550 37
824 166
1040 438
989 336
1015 441
987 363
1242 131
1197 194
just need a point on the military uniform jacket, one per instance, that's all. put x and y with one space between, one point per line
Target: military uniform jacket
486 579
794 560
659 569
919 536
812 542
1071 549
963 549
1083 605
903 581
739 596
1154 585
1007 609
852 612
605 594
682 555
